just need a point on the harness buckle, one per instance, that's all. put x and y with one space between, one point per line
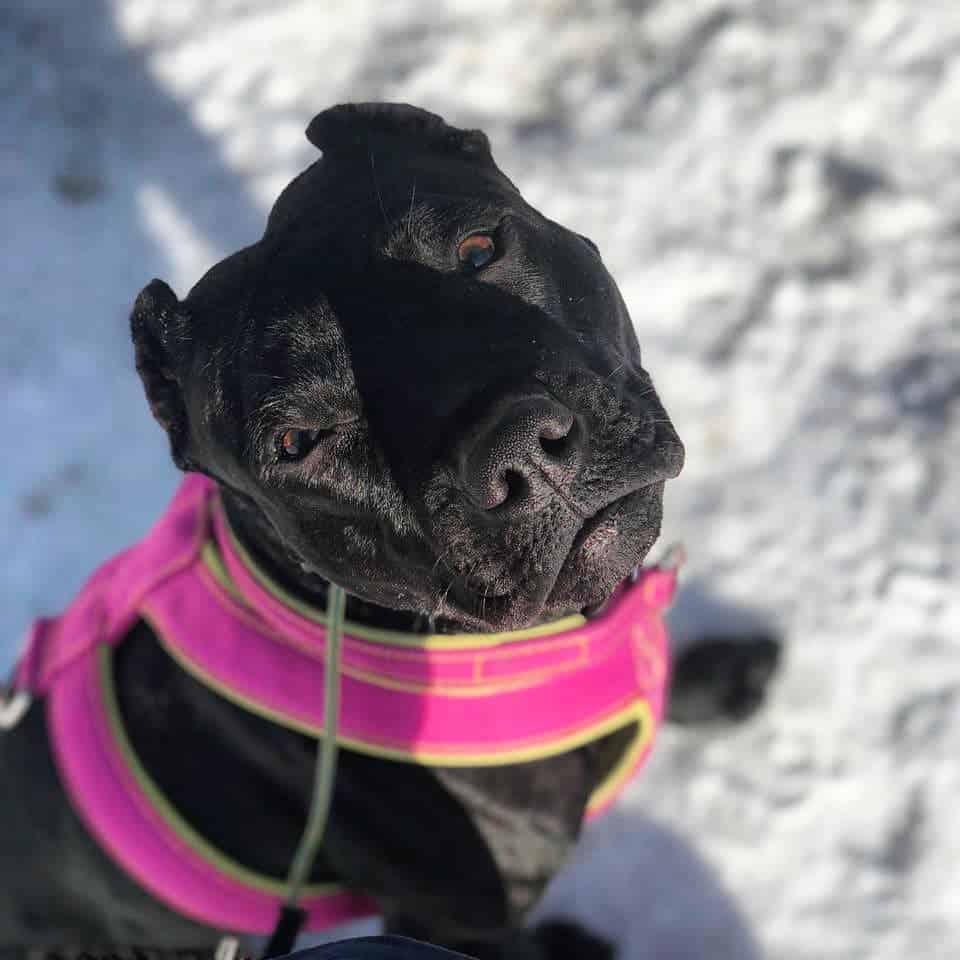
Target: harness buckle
13 705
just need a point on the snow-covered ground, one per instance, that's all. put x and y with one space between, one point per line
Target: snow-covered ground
775 185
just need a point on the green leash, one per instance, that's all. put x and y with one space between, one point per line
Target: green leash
292 916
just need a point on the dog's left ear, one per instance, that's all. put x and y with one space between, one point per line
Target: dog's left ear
158 324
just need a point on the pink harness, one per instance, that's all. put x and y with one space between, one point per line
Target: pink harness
467 700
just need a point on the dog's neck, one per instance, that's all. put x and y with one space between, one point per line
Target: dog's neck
260 540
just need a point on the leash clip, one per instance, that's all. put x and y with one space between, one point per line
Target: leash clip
13 705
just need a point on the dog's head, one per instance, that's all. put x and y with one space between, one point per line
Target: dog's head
432 393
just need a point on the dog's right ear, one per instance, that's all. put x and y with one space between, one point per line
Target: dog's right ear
350 127
158 324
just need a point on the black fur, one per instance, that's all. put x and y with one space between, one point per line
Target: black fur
490 453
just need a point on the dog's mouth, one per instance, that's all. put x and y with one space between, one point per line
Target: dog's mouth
495 588
605 553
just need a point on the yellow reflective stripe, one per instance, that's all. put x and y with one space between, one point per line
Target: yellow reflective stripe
550 747
235 608
454 641
212 560
168 813
622 770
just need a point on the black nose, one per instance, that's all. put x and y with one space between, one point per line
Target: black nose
529 448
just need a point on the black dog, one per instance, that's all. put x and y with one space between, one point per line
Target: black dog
418 387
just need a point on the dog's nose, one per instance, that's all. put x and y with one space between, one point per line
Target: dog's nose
526 449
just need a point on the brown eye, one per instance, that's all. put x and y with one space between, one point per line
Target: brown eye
296 444
476 251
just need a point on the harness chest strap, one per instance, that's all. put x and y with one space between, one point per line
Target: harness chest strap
451 708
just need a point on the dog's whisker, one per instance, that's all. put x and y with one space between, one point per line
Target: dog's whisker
615 371
441 558
645 392
376 187
442 599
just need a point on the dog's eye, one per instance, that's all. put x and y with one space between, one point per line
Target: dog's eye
476 251
296 444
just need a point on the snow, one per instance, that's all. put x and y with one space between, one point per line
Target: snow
774 186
